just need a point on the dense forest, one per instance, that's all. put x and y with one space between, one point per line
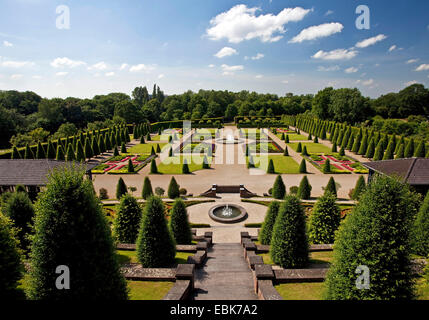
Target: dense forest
25 117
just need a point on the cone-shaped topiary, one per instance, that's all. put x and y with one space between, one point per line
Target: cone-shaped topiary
370 150
155 244
60 153
267 227
20 210
327 166
359 188
342 152
153 167
11 268
363 145
28 152
400 153
206 164
127 221
409 149
88 149
173 189
70 153
170 152
289 244
287 138
95 147
71 230
420 234
388 155
375 235
334 148
152 151
331 187
121 188
279 188
147 188
310 137
299 147
185 167
379 151
420 150
15 153
142 141
286 152
305 152
40 152
271 169
123 148
179 223
148 138
158 149
130 167
303 167
283 137
316 139
50 151
324 220
304 190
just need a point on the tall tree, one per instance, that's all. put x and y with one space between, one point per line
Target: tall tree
127 221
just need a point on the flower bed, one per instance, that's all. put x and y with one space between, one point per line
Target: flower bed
119 164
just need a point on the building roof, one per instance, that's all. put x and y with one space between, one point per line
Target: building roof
30 172
414 171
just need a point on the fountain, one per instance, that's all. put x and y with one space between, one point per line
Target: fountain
230 139
229 213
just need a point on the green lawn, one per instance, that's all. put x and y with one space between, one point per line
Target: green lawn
145 148
294 137
282 164
148 290
301 291
311 147
125 256
164 137
173 165
315 257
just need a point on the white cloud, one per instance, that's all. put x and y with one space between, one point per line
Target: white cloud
371 41
161 76
410 83
241 23
61 74
328 69
98 66
66 62
423 67
339 54
258 56
368 82
351 70
412 61
109 74
124 66
16 76
320 31
142 67
329 12
259 76
211 65
226 52
16 64
228 68
7 43
392 48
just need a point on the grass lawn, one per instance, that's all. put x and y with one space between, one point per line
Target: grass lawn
301 291
311 147
282 164
148 290
145 148
294 137
125 256
164 137
173 165
315 257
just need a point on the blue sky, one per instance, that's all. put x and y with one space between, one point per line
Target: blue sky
264 46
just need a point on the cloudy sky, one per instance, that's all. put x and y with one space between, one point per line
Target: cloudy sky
266 46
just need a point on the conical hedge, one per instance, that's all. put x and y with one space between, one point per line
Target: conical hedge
279 188
421 229
267 227
179 223
173 189
147 188
127 220
324 220
331 187
359 188
121 188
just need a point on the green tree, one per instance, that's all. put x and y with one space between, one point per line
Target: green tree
123 148
267 227
375 235
179 223
334 147
324 220
270 169
379 151
15 153
127 221
400 154
121 189
147 188
155 244
299 147
331 187
40 152
153 167
303 167
50 151
359 188
28 152
71 230
185 167
327 166
60 153
80 155
286 152
304 190
420 150
305 152
130 168
70 153
173 189
421 229
289 243
279 188
370 150
409 149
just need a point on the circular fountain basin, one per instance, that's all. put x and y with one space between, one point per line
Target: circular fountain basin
230 213
229 141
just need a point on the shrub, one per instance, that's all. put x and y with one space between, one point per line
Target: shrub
70 153
159 191
286 152
153 167
324 220
185 167
155 245
420 150
40 152
130 167
342 152
334 147
127 221
206 164
409 149
271 169
71 230
287 138
289 244
173 189
293 190
60 153
147 188
148 138
379 151
142 141
152 151
375 235
304 151
179 223
121 188
299 148
170 152
279 188
303 167
371 149
183 191
421 230
359 188
11 268
268 225
123 148
304 190
327 166
20 210
400 154
331 187
15 153
103 194
28 152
